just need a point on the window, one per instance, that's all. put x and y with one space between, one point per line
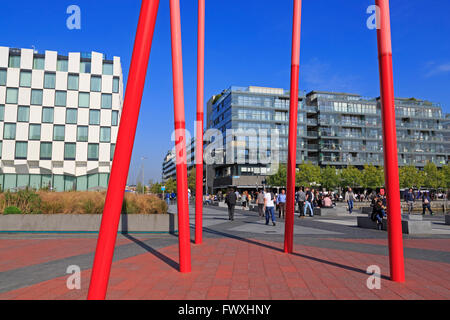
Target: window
115 118
83 99
11 95
49 80
107 68
25 78
62 65
82 133
23 114
105 134
9 131
71 116
58 132
111 153
36 97
2 77
85 67
72 82
21 150
69 151
60 98
96 84
14 61
106 101
115 85
38 63
46 151
47 115
1 148
34 132
2 113
94 117
92 151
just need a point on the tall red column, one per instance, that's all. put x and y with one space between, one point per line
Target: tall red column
293 114
124 147
180 139
396 260
200 101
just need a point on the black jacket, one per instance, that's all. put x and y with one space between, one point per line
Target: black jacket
230 198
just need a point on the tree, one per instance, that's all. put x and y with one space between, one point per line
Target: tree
155 188
329 177
171 185
410 177
446 176
433 177
372 177
307 175
350 177
279 178
191 179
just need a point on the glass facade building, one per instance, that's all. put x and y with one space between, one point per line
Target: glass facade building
334 129
59 117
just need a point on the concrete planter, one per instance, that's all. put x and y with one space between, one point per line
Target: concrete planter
87 222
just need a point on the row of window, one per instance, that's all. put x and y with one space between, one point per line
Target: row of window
61 65
25 80
12 97
23 115
34 132
45 152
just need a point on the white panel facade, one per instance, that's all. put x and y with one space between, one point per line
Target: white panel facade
78 117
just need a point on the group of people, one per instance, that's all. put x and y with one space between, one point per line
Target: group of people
411 197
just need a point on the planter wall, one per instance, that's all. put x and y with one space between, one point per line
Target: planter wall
87 222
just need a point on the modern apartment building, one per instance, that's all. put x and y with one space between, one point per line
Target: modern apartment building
334 129
59 118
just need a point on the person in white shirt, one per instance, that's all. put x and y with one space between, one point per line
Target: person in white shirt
269 206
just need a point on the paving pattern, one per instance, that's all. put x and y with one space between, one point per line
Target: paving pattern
240 259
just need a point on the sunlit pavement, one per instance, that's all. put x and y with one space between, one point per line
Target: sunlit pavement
240 259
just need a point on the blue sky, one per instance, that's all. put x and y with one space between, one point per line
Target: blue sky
248 42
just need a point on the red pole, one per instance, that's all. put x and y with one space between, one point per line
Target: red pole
396 260
293 114
122 155
199 144
180 139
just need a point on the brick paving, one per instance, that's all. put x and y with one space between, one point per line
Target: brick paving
233 269
236 261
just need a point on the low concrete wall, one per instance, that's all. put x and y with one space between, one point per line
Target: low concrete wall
87 222
408 226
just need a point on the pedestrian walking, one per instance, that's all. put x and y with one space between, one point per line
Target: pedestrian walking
281 201
269 206
308 201
409 198
260 203
350 198
426 203
230 200
301 198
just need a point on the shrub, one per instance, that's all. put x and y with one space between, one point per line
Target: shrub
28 201
12 210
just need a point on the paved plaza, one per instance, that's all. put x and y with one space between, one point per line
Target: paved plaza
240 259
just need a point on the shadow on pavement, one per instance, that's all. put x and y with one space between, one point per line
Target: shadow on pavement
157 254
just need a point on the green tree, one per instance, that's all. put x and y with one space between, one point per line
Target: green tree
191 179
155 188
350 177
307 175
433 177
329 177
279 178
410 177
446 176
372 177
171 185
